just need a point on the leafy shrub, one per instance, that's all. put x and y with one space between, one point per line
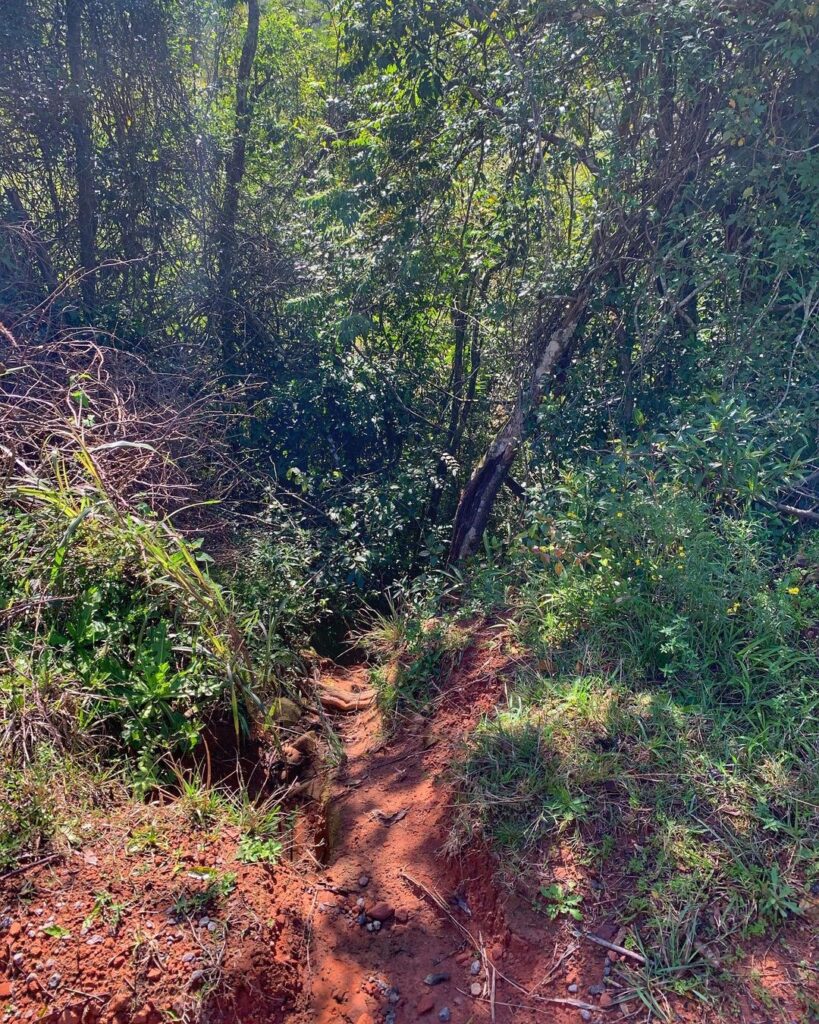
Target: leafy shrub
116 634
669 620
642 576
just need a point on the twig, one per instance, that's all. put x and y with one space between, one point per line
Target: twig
577 1003
398 757
446 956
85 995
33 864
440 902
553 970
611 945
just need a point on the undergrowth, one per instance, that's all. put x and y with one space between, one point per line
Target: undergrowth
663 725
414 651
119 646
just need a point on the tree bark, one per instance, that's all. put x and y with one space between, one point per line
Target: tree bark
234 175
80 105
478 498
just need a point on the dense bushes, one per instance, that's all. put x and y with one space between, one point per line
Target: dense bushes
646 579
118 640
667 622
115 634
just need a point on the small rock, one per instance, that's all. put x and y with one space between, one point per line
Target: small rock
445 1014
436 979
476 988
612 956
360 902
212 926
475 967
389 1017
188 958
5 989
371 926
120 1003
364 881
596 990
463 958
381 912
606 969
17 960
55 979
424 1005
204 922
33 984
95 940
197 977
362 919
394 996
606 1001
154 974
376 926
585 1015
572 988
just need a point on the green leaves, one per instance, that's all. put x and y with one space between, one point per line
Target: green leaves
562 900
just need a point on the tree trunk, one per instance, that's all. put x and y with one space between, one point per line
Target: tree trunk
234 174
479 495
79 102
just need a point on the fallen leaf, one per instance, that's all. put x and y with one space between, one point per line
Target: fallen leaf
390 819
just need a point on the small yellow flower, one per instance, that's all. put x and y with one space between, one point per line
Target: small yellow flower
619 515
637 561
793 590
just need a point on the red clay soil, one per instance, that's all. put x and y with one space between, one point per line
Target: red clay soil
287 943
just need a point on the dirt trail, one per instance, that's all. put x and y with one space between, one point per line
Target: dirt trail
127 927
390 822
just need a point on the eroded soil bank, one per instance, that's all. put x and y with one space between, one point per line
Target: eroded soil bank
374 918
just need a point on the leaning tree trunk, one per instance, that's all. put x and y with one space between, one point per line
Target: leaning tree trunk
551 342
79 104
222 320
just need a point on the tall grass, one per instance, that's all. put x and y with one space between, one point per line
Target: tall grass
115 632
